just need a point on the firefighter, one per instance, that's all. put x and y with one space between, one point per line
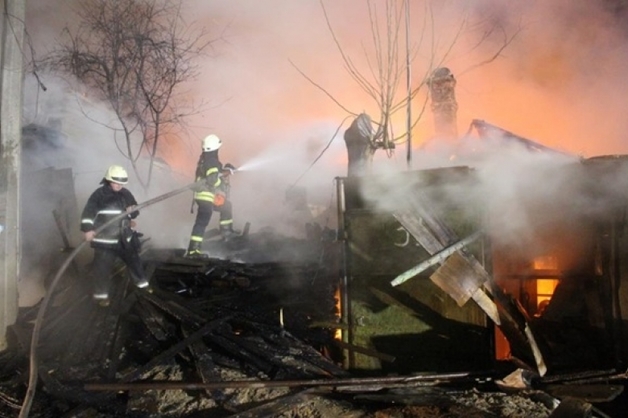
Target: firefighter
118 239
211 195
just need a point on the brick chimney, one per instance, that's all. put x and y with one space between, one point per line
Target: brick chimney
442 85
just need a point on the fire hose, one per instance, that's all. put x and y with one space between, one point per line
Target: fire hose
34 361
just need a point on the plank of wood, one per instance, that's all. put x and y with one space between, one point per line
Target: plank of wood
415 226
458 278
487 305
204 364
173 350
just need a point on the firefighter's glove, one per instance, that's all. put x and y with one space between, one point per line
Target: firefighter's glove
219 199
127 224
228 169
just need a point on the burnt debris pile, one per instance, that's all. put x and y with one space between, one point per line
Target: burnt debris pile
202 321
248 338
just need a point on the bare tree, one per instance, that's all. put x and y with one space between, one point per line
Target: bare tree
387 62
135 55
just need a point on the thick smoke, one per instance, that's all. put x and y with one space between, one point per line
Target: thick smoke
557 82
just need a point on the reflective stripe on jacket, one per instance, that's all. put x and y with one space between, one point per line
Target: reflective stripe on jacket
102 206
208 168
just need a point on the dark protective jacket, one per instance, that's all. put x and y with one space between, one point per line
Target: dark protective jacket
103 205
209 168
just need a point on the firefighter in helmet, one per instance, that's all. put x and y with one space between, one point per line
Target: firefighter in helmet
118 239
211 195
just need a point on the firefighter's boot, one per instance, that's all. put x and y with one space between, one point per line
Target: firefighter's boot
227 233
194 250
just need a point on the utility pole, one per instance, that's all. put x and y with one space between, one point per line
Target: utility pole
409 89
12 29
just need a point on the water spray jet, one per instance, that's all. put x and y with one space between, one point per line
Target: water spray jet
258 163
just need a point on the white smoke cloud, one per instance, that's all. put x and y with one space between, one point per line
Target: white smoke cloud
557 83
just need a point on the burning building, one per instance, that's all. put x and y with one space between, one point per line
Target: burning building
443 280
448 273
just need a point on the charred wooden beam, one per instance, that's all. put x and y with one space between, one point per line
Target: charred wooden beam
114 357
154 321
423 379
107 338
583 377
289 343
251 361
611 378
170 304
204 364
172 351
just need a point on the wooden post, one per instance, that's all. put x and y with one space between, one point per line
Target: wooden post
12 26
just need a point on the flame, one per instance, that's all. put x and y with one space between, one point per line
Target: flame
338 298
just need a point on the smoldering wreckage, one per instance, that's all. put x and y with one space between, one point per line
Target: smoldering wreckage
419 310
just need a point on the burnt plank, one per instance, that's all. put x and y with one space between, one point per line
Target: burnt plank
204 364
224 340
287 344
114 357
173 350
174 306
154 321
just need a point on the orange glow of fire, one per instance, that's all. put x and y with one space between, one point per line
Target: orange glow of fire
545 286
548 262
337 297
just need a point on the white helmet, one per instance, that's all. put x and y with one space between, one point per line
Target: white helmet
117 174
211 143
